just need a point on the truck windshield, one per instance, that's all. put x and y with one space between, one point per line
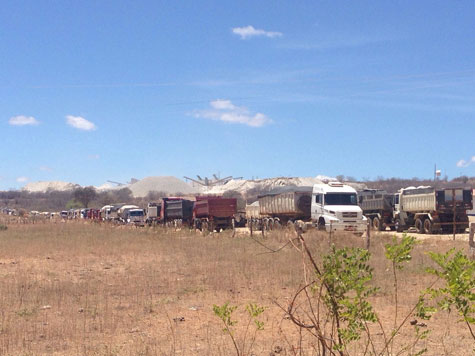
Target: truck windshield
136 213
340 199
449 194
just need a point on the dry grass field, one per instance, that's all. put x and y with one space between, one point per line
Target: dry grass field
93 289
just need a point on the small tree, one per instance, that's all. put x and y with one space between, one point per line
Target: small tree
399 253
225 311
458 292
85 195
73 204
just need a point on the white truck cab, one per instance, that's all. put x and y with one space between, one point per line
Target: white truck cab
136 216
335 208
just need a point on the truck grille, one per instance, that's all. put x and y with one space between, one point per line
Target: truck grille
349 215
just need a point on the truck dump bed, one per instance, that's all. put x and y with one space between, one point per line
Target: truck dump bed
252 211
429 199
374 200
418 199
215 207
292 202
179 209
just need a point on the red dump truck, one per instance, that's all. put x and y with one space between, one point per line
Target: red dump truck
214 213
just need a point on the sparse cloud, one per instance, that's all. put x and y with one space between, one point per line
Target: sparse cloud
225 110
46 169
22 120
463 163
22 179
249 31
94 157
80 123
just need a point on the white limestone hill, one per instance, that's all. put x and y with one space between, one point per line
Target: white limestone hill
245 186
43 187
167 184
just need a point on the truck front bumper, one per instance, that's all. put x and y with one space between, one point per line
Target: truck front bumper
354 227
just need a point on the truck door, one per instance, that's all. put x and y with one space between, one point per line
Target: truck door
396 203
317 206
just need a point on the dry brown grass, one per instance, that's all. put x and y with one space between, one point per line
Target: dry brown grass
93 289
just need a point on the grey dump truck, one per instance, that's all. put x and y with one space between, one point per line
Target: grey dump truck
170 212
281 206
378 207
432 210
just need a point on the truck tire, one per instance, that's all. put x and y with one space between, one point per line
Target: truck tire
377 225
321 225
428 226
398 225
370 222
419 226
204 227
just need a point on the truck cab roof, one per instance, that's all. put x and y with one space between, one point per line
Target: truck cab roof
333 187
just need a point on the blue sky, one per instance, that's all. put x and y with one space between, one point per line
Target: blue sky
98 90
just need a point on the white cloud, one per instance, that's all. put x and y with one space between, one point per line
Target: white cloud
80 123
225 110
22 179
220 104
46 169
250 31
21 120
463 163
94 156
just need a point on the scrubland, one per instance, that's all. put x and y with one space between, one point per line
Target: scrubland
95 289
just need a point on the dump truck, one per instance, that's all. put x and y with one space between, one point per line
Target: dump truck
214 213
432 210
170 211
281 206
329 206
111 212
125 211
378 207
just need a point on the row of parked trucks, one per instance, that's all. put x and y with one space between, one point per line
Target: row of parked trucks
335 206
332 206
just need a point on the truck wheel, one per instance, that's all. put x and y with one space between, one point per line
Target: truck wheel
419 226
321 225
398 225
428 226
271 224
377 224
370 222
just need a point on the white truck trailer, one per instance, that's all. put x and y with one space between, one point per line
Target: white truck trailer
432 210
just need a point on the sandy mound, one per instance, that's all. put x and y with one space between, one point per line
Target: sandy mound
268 184
35 187
167 184
243 186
